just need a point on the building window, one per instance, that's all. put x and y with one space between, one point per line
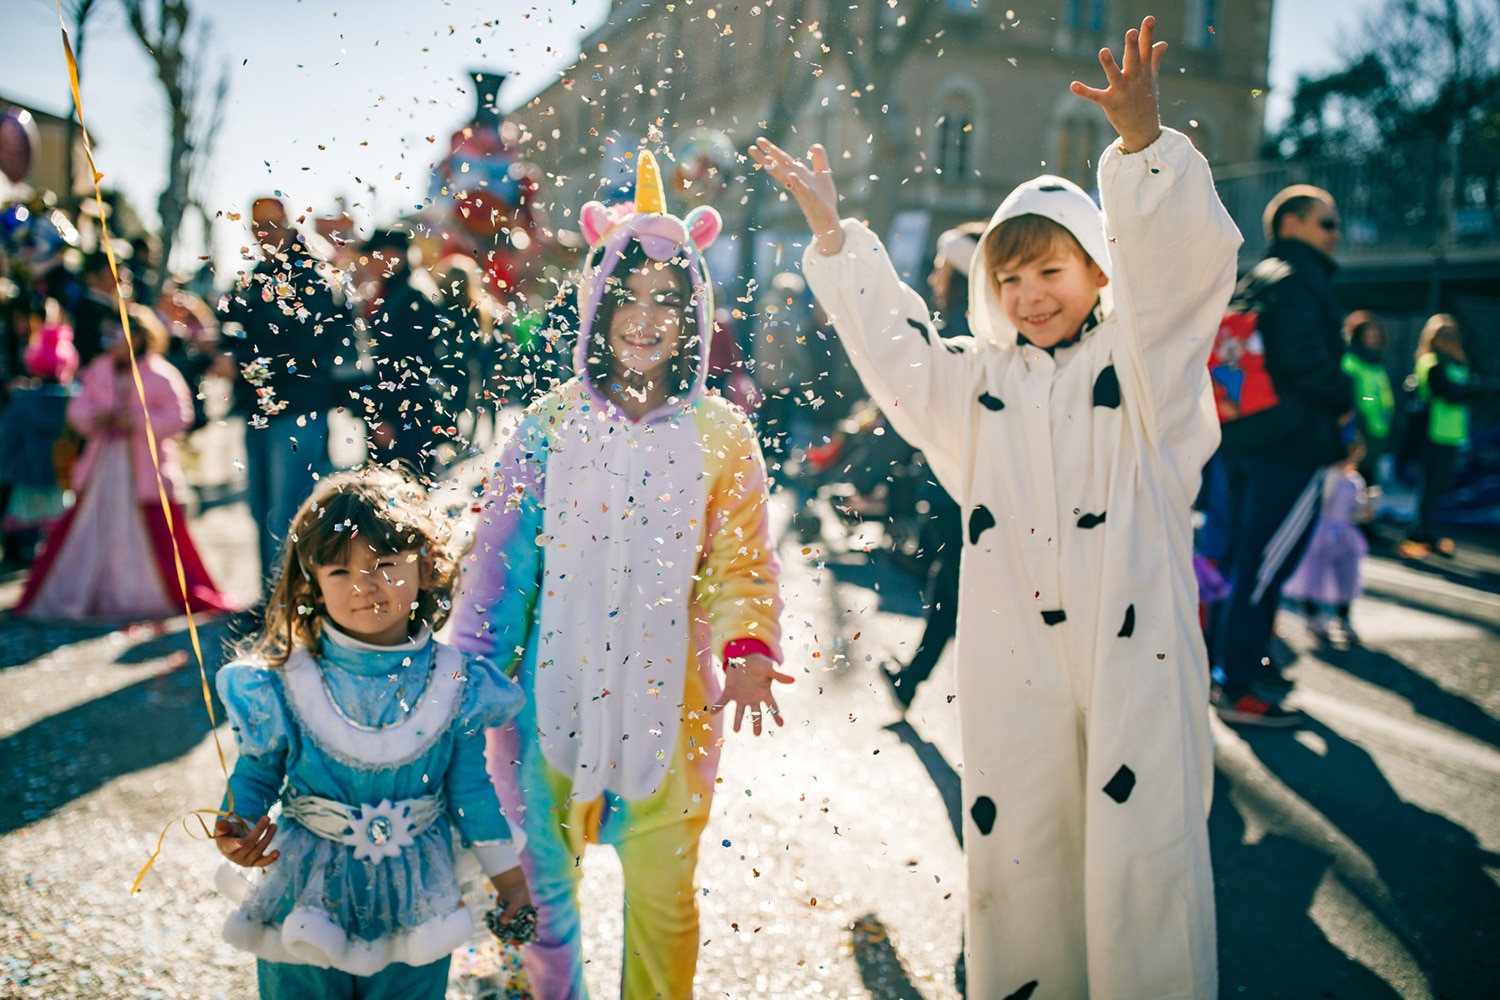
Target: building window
1080 140
955 140
1085 15
1202 18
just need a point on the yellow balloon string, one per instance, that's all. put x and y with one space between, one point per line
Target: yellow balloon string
161 489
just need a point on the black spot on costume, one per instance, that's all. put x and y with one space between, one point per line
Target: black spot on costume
983 811
1121 785
980 521
1107 388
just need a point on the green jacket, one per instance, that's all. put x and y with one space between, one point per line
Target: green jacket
1444 390
1373 398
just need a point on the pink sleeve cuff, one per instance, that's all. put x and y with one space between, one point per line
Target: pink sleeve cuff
736 648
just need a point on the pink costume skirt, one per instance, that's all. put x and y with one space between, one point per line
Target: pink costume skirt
110 556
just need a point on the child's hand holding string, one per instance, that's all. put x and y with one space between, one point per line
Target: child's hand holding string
813 188
246 849
747 683
1130 101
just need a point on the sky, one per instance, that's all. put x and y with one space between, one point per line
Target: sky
357 97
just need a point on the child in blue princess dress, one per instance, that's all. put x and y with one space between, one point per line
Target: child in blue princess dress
370 735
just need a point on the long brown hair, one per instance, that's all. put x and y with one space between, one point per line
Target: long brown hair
372 506
683 371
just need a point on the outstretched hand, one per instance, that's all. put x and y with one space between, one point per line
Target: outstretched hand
1129 101
812 188
748 684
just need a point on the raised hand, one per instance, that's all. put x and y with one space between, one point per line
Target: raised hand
814 191
1130 99
247 849
748 685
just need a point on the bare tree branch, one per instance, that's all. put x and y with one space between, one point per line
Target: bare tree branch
177 57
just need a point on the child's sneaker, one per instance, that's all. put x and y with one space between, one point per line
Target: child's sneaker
1346 628
1319 625
1250 709
1446 547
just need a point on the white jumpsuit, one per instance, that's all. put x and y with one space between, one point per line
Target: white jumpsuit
1082 676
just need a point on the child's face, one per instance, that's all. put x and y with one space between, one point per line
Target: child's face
1048 299
645 332
370 596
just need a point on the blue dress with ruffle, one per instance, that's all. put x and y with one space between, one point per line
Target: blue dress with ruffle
363 726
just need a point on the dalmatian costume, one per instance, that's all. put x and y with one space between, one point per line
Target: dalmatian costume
1082 675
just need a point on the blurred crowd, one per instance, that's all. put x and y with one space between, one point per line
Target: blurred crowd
425 343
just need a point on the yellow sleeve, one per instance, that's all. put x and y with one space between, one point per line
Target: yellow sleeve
737 585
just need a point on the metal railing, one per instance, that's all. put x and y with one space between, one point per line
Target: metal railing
1433 198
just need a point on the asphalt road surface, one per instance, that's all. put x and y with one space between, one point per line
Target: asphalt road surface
1354 858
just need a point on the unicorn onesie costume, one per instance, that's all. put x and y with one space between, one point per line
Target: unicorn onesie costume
615 563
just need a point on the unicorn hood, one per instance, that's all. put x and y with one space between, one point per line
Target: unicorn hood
1066 204
663 236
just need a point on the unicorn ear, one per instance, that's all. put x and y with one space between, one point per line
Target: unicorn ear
594 221
703 225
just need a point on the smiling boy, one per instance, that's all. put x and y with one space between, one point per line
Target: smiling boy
1071 429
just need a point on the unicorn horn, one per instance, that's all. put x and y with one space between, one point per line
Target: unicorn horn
649 196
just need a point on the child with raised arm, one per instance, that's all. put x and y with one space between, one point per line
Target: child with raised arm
623 555
371 735
1071 428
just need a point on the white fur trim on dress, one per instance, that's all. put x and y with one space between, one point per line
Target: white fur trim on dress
311 937
390 746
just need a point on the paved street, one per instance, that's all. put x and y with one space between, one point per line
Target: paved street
1358 857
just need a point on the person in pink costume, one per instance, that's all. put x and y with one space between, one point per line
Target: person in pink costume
111 555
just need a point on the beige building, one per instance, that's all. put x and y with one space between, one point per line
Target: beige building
932 111
49 160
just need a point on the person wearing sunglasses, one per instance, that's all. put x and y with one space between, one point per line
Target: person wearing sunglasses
1273 464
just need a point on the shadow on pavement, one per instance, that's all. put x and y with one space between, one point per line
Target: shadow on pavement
1268 944
75 752
1431 604
1424 891
877 573
881 970
24 641
1477 563
1427 698
944 778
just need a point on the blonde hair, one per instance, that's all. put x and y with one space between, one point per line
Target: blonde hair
1435 325
1025 239
373 506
